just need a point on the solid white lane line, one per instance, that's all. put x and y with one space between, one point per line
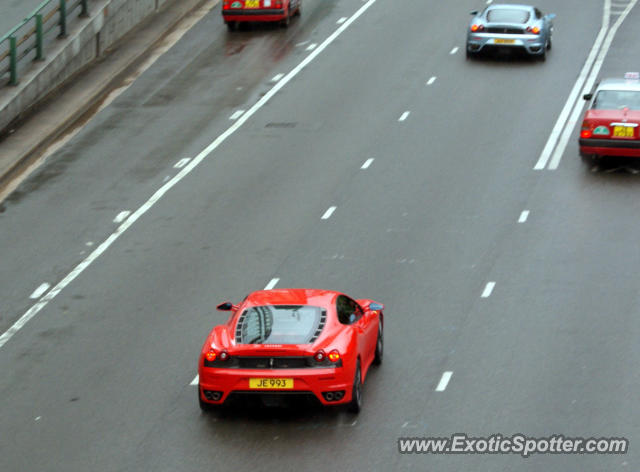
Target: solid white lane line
454 50
575 91
277 77
444 381
367 163
272 283
31 312
195 381
488 289
328 213
577 111
236 115
342 20
404 116
120 217
182 162
311 47
37 293
431 80
523 216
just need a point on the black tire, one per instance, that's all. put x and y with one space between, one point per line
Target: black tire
286 21
355 405
549 44
377 359
543 57
232 25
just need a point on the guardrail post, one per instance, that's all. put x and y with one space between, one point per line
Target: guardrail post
13 61
84 9
63 19
39 38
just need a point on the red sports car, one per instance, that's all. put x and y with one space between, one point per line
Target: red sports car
235 11
611 124
313 343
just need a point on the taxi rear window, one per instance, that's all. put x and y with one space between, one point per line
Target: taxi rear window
280 324
616 100
508 15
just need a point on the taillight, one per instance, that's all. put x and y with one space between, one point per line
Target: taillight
475 28
533 30
278 4
225 4
224 355
334 356
211 355
319 356
586 133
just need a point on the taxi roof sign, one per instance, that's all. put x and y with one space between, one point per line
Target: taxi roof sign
632 75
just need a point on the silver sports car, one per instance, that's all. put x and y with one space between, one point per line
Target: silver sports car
510 27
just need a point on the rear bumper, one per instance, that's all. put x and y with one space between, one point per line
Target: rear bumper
316 381
254 15
531 43
609 147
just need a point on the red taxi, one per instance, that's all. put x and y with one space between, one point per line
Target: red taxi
278 345
236 11
611 124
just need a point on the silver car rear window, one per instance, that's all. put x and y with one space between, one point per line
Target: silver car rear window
280 324
508 15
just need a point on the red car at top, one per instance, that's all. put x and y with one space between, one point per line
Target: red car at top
611 124
279 344
236 11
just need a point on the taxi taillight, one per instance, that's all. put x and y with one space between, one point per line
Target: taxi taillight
586 131
278 4
225 4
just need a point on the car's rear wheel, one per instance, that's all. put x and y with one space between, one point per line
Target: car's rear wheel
356 392
232 25
286 21
377 359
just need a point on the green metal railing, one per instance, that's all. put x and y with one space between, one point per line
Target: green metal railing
30 35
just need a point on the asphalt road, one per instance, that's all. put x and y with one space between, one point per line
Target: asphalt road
100 378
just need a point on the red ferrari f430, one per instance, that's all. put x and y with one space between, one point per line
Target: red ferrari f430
301 342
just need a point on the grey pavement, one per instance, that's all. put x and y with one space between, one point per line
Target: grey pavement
70 106
100 378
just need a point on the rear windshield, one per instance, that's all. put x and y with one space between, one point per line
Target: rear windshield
617 100
508 15
279 324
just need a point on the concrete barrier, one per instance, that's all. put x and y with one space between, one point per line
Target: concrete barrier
109 21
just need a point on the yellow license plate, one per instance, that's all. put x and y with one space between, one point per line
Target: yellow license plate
252 3
623 132
503 41
277 384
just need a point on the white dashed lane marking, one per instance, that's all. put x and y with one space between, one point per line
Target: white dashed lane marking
236 115
120 217
37 293
367 163
488 289
523 216
328 213
444 381
431 80
404 116
182 162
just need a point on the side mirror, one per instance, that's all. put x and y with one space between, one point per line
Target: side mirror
226 306
587 96
551 16
473 12
373 306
